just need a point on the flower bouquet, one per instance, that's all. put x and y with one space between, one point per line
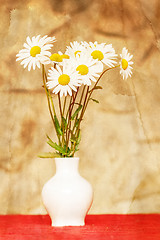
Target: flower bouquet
73 76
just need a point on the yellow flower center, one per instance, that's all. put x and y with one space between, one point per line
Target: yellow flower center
124 64
96 54
64 79
82 69
77 52
65 56
35 50
56 57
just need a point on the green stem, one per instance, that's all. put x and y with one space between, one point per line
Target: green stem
79 105
60 108
69 117
80 119
84 104
69 106
49 99
82 94
46 91
64 105
63 126
91 91
86 101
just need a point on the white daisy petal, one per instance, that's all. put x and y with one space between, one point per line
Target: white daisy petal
102 52
88 82
59 69
74 49
57 89
26 46
37 38
23 51
86 66
61 93
109 63
52 84
35 51
47 47
38 64
26 63
62 80
29 65
95 75
98 67
29 41
70 92
33 39
91 77
45 53
34 64
75 89
125 64
22 57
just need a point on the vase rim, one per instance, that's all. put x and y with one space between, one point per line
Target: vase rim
67 158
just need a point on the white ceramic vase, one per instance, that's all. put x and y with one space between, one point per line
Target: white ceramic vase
67 196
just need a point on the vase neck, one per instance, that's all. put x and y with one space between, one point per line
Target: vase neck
67 165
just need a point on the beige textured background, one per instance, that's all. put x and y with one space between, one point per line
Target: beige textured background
120 150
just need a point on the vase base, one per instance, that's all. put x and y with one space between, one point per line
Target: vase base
68 224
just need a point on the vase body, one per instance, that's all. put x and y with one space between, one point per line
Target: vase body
67 196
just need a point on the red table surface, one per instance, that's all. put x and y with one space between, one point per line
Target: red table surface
98 227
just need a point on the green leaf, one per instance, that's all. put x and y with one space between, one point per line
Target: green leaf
67 150
57 147
79 137
64 123
77 122
58 129
78 141
76 112
95 88
94 100
77 103
49 138
49 155
76 149
73 139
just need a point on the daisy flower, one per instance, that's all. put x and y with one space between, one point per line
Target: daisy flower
87 67
58 57
103 52
125 64
35 51
63 80
75 49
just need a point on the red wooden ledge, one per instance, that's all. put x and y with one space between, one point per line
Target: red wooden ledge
98 227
